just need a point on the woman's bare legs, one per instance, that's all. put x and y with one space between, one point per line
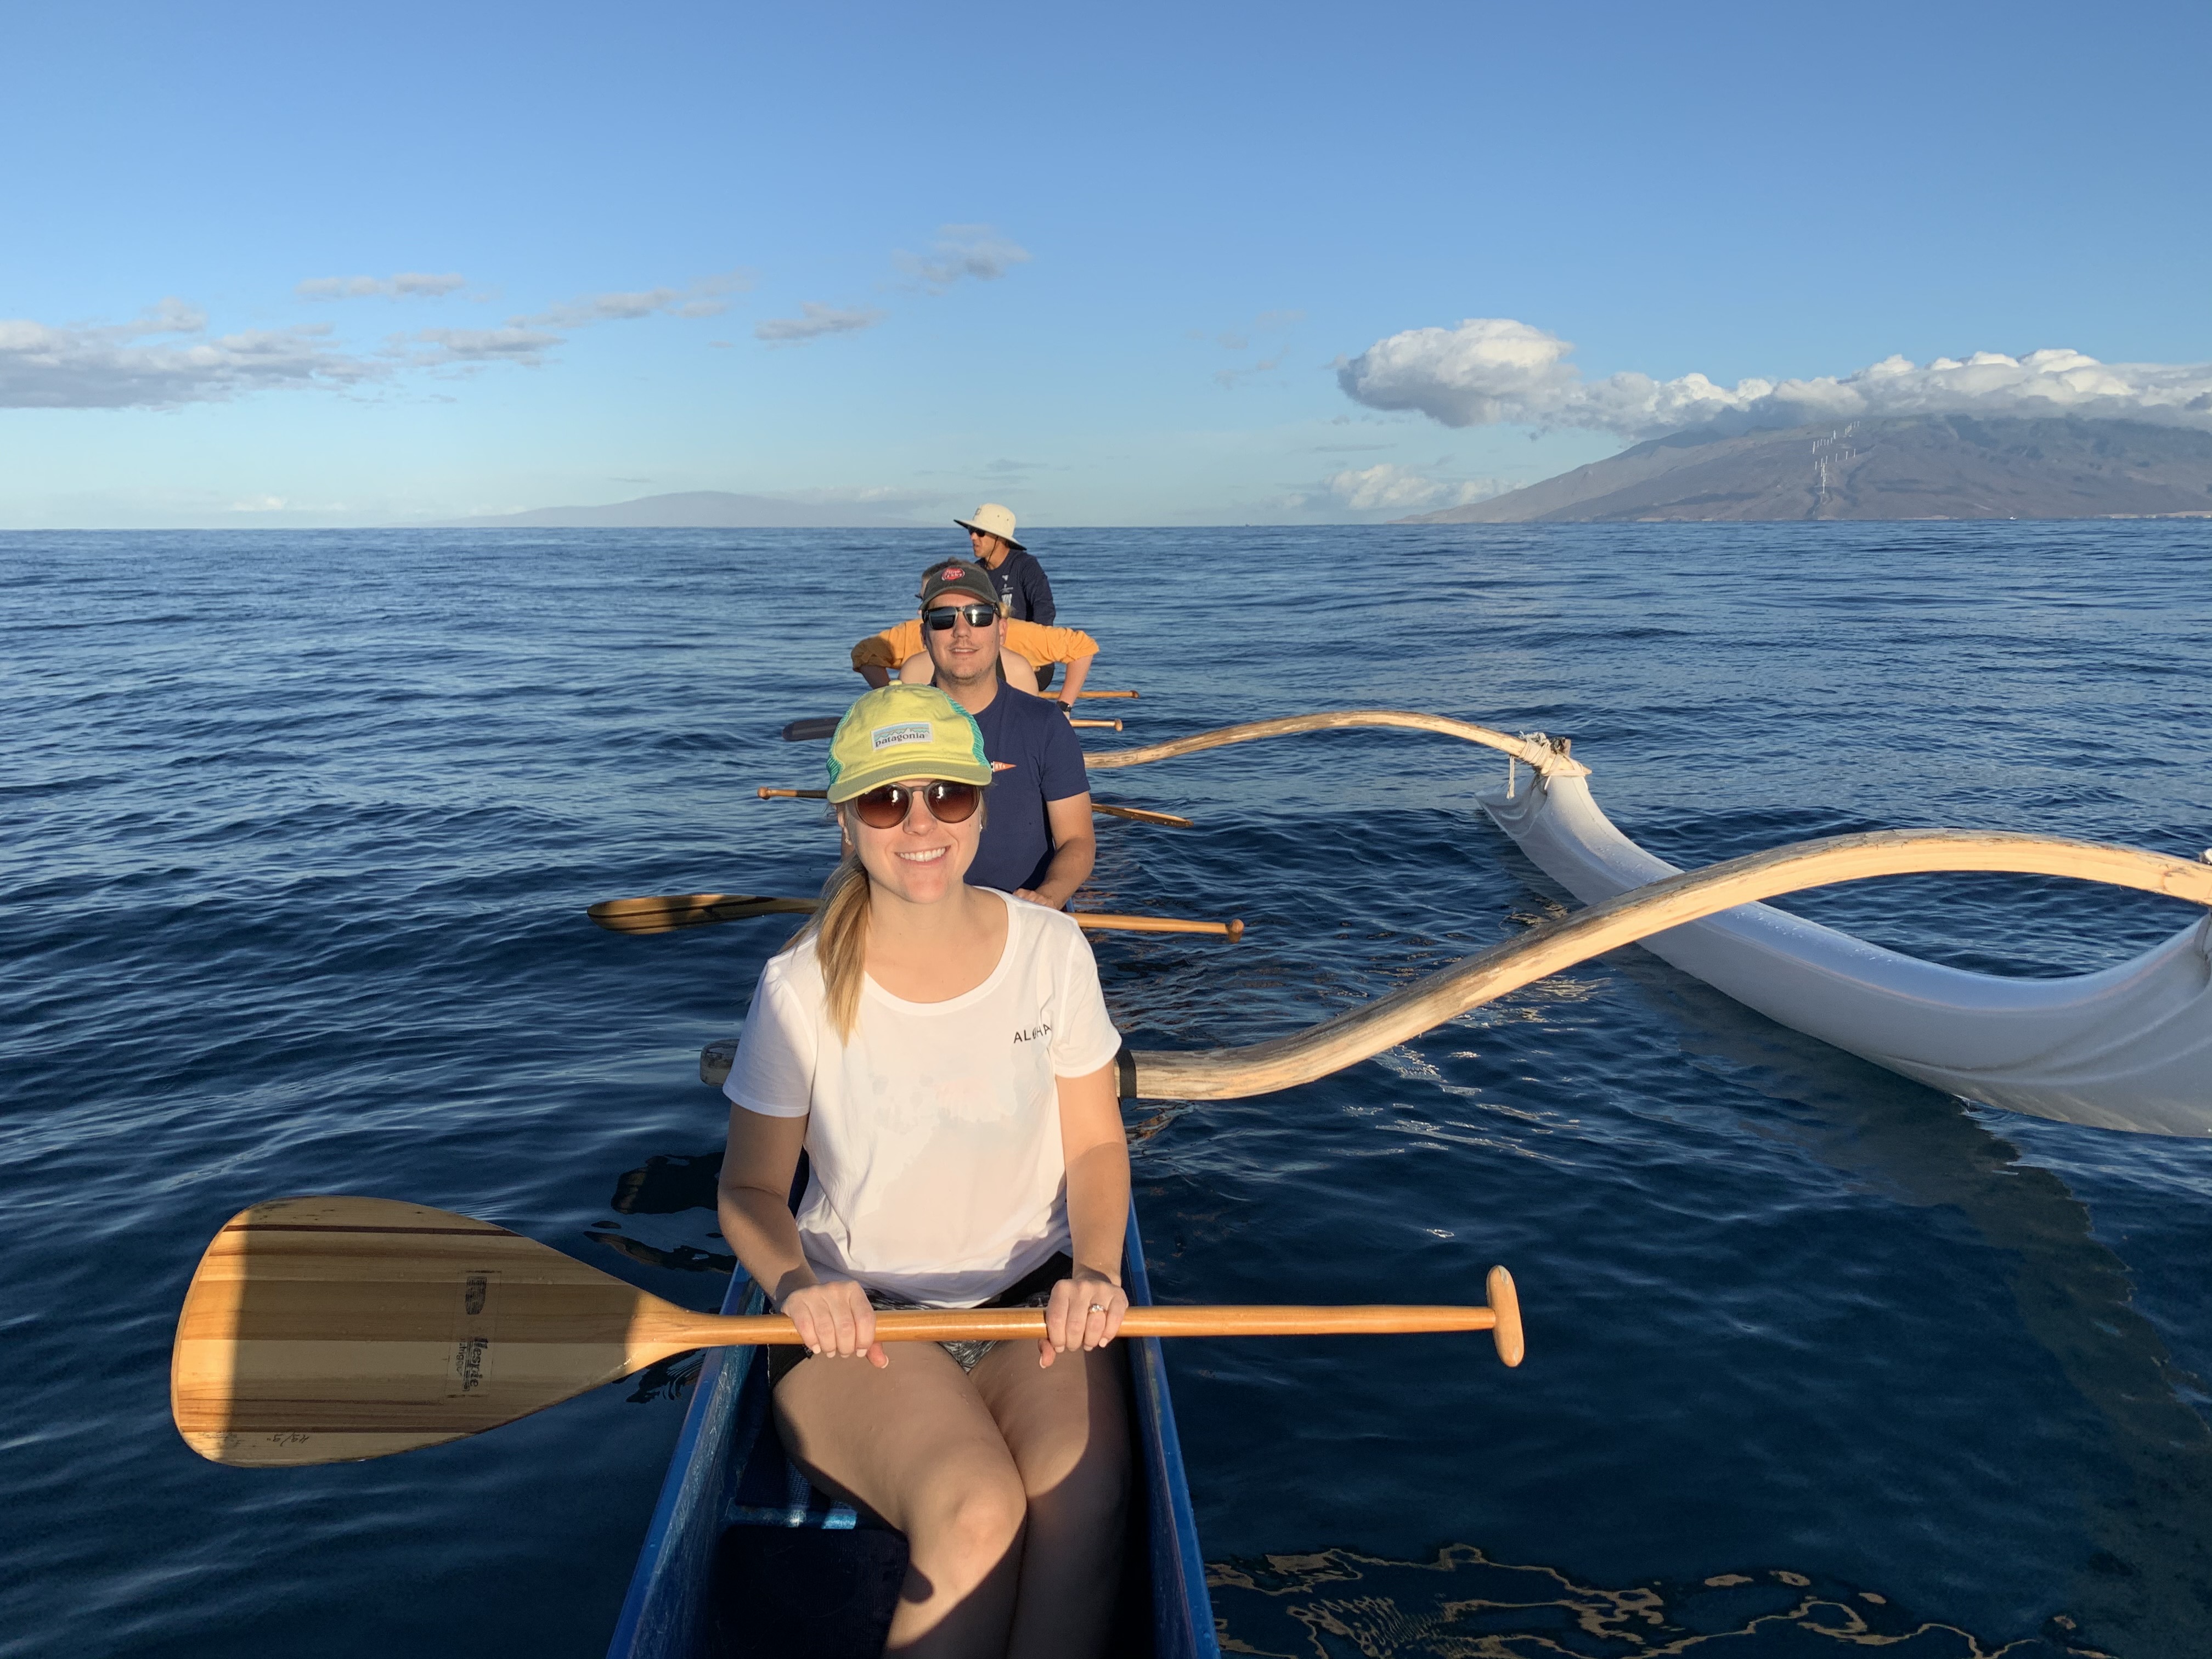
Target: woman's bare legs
1068 1427
915 1443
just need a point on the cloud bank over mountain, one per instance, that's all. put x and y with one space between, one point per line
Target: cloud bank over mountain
1494 370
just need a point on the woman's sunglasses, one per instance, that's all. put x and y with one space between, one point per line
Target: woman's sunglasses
941 618
948 803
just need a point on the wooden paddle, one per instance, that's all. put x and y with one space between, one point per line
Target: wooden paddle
667 913
811 729
664 915
321 1330
1105 693
1134 814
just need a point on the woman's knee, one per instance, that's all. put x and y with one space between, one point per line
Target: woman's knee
977 1514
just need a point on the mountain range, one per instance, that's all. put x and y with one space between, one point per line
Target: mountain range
702 509
1925 466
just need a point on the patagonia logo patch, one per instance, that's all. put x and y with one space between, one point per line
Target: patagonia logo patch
890 736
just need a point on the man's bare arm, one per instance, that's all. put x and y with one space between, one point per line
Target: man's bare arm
1074 849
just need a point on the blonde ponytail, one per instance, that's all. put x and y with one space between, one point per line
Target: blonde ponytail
840 931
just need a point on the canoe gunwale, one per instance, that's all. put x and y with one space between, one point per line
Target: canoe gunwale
665 1609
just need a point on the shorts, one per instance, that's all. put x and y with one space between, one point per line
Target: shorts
1032 1289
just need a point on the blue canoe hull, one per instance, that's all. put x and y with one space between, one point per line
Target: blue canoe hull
728 1490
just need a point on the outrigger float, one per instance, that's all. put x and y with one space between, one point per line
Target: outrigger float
2128 1048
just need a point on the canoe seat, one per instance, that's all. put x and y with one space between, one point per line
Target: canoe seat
797 1573
773 1493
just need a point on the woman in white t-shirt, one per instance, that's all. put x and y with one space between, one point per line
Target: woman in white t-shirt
943 1055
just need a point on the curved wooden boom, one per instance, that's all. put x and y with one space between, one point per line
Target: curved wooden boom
1543 754
1263 1067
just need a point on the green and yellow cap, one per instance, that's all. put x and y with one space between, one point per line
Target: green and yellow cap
904 731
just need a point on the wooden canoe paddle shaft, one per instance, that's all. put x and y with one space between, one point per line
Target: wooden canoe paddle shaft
1140 814
1134 814
665 912
322 1330
825 726
1105 693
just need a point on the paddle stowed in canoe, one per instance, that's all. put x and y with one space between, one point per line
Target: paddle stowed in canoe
1134 814
811 731
667 913
320 1330
741 1540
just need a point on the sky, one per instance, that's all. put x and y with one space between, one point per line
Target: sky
283 266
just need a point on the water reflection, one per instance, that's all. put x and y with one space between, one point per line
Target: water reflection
1336 1604
2145 1583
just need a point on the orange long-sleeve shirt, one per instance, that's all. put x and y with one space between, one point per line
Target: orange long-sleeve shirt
1032 641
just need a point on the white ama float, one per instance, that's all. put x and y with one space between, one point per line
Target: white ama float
2130 1048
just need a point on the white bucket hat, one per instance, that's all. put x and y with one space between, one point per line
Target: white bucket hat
994 520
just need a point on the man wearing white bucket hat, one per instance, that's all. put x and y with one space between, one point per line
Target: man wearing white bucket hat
1023 591
1021 578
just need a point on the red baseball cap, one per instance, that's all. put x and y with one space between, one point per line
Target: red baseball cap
958 576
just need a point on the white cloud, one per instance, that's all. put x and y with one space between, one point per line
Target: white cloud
406 285
164 359
815 319
1387 487
1267 322
976 250
1228 378
1493 369
436 347
700 299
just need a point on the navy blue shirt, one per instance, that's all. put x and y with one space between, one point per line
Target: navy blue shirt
1030 738
1023 586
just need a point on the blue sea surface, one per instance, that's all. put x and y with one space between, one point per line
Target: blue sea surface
297 834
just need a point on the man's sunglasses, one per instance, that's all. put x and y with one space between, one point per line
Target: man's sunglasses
940 618
948 803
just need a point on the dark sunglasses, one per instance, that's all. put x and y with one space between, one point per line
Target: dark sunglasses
948 803
941 618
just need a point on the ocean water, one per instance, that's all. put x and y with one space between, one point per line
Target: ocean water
296 834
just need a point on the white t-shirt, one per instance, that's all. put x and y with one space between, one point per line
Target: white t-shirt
934 1133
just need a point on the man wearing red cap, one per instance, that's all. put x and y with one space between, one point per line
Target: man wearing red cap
1031 649
1038 842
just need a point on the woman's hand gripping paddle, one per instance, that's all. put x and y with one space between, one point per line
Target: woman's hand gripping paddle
320 1330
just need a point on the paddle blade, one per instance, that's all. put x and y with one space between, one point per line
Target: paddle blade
810 731
1505 1302
665 912
322 1330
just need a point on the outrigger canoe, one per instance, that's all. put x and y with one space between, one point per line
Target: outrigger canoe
744 1556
